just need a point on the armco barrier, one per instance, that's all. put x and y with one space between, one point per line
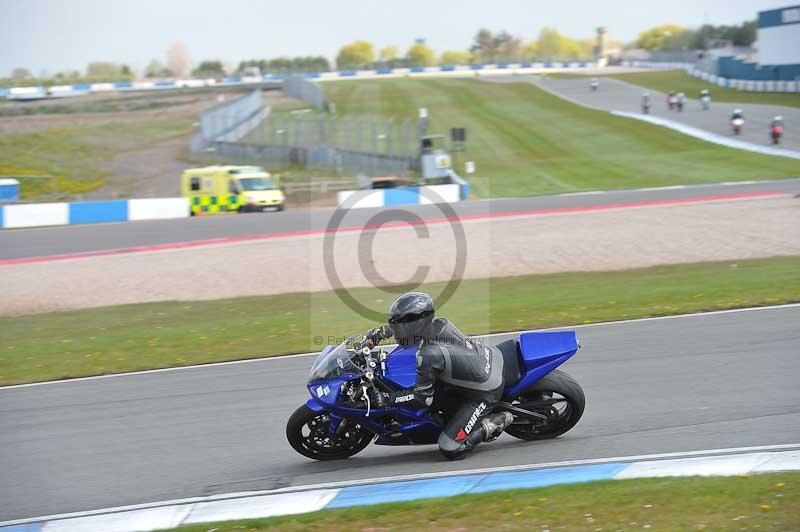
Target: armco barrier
22 93
89 212
738 84
384 197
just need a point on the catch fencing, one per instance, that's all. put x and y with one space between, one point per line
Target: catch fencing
369 146
300 88
230 121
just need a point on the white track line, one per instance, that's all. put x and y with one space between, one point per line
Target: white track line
283 357
419 476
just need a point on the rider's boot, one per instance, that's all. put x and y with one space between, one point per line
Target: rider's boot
494 425
489 429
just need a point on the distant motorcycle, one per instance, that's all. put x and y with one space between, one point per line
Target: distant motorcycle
680 98
776 130
737 121
705 99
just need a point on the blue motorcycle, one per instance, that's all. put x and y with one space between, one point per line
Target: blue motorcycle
349 382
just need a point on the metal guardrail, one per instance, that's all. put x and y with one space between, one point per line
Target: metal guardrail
322 186
747 85
35 92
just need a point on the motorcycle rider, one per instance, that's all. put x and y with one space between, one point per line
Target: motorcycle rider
705 99
646 103
680 99
594 84
455 374
737 120
776 129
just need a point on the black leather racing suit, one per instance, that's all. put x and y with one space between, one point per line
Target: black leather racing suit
461 377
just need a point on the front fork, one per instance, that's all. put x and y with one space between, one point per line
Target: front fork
336 424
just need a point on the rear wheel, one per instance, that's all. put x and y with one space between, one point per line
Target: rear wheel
556 396
308 434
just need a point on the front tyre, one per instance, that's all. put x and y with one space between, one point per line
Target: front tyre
308 434
559 397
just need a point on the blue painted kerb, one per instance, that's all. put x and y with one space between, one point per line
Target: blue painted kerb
482 483
28 527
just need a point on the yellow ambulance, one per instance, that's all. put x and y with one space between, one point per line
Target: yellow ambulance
217 189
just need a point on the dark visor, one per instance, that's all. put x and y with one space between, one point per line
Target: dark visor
408 318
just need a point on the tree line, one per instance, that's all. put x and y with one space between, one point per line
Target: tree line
486 47
674 37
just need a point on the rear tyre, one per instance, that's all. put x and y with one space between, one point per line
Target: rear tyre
308 434
559 397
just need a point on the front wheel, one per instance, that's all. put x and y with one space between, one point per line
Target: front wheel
309 434
557 396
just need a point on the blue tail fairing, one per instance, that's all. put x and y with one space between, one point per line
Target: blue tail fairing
541 353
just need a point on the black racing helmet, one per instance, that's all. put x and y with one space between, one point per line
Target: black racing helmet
410 317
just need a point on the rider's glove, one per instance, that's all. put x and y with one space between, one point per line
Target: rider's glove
375 336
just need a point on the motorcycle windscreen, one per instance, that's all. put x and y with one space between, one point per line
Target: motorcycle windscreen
334 362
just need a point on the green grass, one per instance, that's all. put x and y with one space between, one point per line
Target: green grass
526 141
167 334
75 156
678 80
757 502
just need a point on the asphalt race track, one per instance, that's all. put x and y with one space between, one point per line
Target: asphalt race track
616 95
39 242
665 385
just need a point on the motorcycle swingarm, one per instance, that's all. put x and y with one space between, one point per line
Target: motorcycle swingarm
521 412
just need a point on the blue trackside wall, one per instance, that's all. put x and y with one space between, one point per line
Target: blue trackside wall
730 67
15 215
401 196
89 212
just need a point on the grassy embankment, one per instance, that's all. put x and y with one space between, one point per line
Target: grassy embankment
75 156
679 80
158 335
526 141
756 502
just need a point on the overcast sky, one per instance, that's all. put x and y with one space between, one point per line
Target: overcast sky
54 35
